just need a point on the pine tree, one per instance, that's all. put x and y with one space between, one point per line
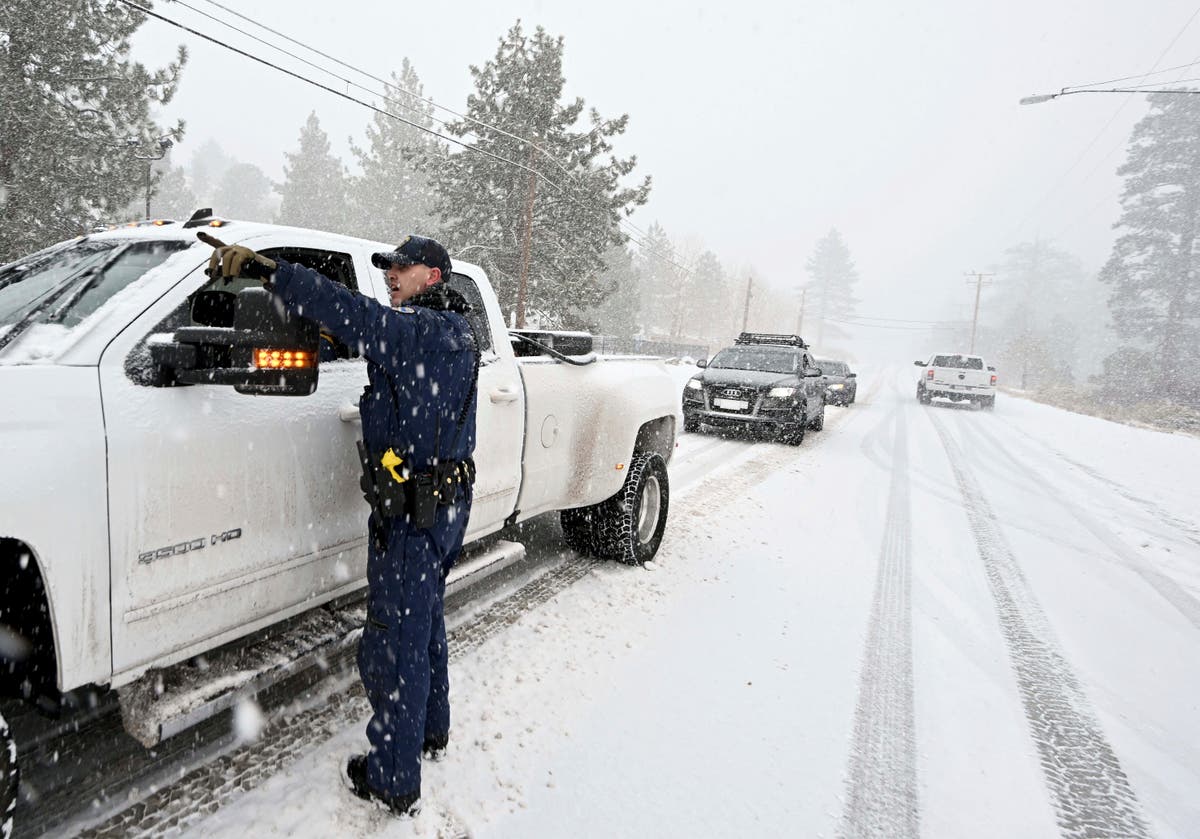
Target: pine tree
244 192
659 279
1155 298
172 197
1036 291
392 197
705 304
207 168
620 312
831 291
540 223
314 186
74 118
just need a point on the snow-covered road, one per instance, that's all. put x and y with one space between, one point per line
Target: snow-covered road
924 621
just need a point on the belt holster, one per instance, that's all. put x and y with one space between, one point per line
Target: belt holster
417 496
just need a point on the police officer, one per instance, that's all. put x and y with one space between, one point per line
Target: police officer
418 422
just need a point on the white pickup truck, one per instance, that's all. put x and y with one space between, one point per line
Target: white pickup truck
145 520
957 377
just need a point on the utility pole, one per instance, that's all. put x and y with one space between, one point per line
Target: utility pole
978 288
526 242
800 319
746 310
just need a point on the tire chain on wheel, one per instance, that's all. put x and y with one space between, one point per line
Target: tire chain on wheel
9 777
609 529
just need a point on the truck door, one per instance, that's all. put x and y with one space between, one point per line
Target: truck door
500 416
228 511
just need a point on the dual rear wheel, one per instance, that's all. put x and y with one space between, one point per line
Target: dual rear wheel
629 526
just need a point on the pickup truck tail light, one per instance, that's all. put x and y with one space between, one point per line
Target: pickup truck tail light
283 359
929 373
993 378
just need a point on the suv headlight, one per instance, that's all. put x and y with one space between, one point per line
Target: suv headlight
781 392
694 384
838 386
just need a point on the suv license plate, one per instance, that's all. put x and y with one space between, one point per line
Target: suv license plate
731 404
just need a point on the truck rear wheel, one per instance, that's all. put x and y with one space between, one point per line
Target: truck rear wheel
9 776
627 527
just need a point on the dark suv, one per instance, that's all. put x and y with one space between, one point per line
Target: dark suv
767 383
841 383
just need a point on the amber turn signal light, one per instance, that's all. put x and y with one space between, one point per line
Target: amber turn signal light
283 359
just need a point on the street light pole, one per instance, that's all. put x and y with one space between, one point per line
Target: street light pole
164 146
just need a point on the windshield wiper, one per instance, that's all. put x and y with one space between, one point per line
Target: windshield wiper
93 274
19 268
90 278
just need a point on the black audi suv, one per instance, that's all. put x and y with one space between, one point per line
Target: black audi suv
765 383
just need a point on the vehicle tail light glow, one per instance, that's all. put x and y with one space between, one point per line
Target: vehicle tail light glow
993 378
929 373
283 359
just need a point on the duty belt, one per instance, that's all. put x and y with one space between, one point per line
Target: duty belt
393 490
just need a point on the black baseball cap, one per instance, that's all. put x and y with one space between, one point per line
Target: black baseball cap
414 250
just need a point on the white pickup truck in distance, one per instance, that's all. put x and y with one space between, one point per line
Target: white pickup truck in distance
149 514
957 377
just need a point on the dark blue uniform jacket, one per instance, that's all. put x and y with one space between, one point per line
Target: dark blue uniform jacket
420 365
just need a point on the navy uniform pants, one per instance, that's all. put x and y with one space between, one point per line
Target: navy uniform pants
402 656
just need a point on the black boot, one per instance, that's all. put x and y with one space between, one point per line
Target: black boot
434 748
400 805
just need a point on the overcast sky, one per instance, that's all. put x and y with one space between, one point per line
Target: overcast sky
764 124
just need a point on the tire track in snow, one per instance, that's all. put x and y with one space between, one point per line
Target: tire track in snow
881 788
1167 587
1090 792
198 793
1184 528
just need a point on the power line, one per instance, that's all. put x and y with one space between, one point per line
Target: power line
896 320
927 328
362 72
550 156
1127 78
1078 160
390 115
1078 217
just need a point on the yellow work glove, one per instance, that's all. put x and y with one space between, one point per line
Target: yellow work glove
230 261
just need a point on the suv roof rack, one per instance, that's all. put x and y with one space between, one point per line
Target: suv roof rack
769 338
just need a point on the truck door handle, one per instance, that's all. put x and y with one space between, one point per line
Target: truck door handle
349 413
505 393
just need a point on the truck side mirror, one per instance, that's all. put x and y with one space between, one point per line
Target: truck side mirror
851 375
702 363
918 363
268 350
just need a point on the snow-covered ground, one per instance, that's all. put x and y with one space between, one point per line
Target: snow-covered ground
924 621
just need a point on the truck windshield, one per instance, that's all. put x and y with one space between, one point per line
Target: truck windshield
959 362
39 280
745 358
